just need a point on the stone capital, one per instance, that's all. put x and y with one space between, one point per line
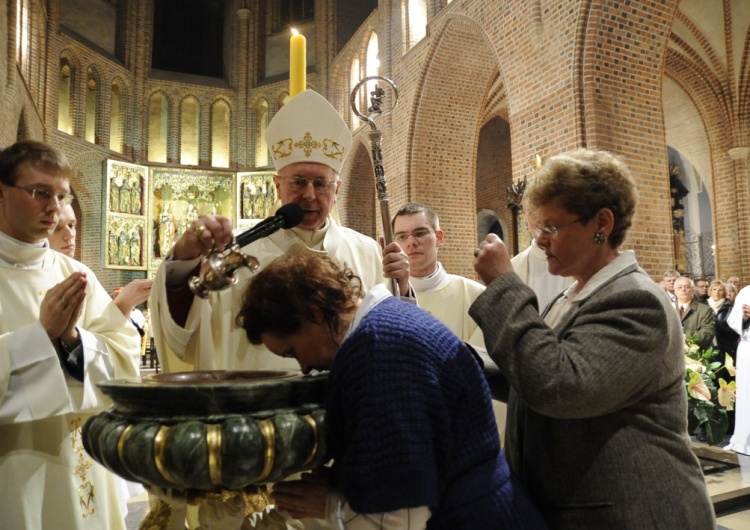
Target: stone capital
739 153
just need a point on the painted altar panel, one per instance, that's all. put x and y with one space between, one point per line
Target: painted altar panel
125 239
178 196
256 198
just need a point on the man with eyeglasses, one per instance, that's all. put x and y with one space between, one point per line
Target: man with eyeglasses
447 297
309 142
416 228
531 266
60 335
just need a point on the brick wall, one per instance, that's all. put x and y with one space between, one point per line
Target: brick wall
492 84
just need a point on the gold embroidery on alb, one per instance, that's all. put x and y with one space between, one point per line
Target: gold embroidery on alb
86 494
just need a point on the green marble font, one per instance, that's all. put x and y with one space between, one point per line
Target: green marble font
212 430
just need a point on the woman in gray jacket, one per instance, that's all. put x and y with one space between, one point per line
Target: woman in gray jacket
597 408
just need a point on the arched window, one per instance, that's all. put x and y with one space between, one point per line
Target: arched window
354 78
372 64
220 134
115 119
64 123
189 131
158 112
261 155
92 96
414 21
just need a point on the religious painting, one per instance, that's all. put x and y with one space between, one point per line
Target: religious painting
256 198
126 185
126 205
178 196
125 244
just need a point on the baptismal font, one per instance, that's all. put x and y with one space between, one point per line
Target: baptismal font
212 439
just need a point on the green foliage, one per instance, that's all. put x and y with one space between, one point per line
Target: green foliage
709 397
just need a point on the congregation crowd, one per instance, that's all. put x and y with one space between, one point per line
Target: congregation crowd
569 350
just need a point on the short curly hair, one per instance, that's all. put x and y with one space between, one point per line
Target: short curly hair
294 289
583 182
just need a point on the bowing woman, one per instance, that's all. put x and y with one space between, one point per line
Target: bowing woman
597 408
409 419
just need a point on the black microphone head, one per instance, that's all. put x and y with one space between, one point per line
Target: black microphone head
292 214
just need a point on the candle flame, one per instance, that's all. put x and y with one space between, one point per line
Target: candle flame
295 32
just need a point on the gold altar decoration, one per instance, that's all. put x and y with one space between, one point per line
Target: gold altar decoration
256 198
126 202
178 197
146 210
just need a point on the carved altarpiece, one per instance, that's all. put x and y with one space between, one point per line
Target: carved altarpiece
125 240
147 210
178 197
256 198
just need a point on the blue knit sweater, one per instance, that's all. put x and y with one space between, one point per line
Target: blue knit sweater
410 423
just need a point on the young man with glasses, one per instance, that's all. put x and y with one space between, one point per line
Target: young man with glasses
60 335
309 142
447 297
416 228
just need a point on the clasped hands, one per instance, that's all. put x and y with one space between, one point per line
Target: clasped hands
61 307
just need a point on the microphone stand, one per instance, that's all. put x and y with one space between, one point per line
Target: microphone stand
376 153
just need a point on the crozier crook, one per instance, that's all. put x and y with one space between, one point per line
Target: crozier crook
376 101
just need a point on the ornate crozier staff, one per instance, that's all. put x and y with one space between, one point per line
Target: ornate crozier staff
376 104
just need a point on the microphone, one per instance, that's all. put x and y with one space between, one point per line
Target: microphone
288 216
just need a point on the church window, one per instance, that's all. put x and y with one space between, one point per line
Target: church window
261 156
220 134
64 123
92 100
157 128
189 131
116 116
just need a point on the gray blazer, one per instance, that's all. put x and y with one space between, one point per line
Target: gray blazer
597 409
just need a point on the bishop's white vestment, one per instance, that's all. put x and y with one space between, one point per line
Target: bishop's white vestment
211 339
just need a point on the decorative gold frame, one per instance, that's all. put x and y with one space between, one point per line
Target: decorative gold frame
147 209
257 198
178 196
126 203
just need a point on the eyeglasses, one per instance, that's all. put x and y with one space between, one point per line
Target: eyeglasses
420 234
552 230
44 196
321 185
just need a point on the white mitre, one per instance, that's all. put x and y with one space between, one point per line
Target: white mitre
308 129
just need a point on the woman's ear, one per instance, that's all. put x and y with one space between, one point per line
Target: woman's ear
605 221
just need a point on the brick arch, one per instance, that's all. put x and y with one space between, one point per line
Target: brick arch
357 199
618 107
442 165
720 120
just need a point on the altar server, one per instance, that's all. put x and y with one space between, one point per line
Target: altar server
60 335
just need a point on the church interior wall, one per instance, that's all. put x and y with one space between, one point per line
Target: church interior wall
561 74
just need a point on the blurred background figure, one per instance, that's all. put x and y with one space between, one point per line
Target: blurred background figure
739 321
725 339
698 321
63 237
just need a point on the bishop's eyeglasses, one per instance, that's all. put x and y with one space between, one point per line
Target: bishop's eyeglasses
320 185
